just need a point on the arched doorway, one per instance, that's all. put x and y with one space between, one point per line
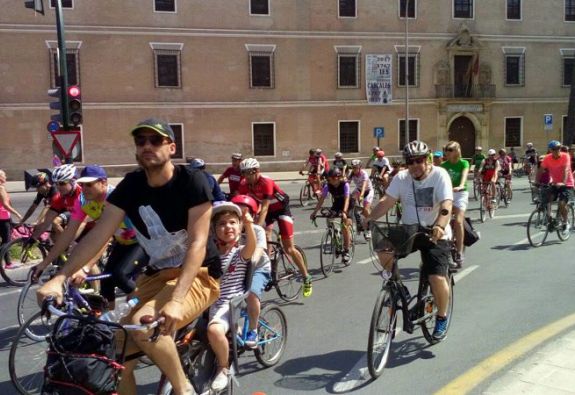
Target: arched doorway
463 131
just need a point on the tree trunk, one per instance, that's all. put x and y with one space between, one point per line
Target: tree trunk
569 132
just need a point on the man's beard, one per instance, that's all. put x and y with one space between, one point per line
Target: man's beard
152 167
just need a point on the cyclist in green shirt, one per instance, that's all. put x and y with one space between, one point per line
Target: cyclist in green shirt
458 170
477 159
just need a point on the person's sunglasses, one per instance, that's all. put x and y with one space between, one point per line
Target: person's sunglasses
155 139
88 184
418 161
249 172
62 183
450 149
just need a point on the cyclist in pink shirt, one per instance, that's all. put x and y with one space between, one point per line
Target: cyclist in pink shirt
559 166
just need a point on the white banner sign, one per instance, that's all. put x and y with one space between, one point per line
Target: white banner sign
378 79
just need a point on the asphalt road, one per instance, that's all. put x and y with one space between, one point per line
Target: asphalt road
506 290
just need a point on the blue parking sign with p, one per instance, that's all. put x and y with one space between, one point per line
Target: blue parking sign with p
378 132
548 120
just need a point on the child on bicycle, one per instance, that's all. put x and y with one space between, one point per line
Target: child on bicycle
227 223
262 269
342 205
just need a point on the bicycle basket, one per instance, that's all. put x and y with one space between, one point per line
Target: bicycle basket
391 237
85 357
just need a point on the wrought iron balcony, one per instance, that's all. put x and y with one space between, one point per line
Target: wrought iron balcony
479 91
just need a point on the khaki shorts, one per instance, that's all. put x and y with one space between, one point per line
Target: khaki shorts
156 290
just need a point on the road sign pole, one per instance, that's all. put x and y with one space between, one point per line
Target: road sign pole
63 62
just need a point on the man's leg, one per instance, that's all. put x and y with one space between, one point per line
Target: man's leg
440 290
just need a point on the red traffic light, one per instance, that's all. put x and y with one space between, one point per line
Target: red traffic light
74 91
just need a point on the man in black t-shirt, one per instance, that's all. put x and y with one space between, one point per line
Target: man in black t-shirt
170 207
45 190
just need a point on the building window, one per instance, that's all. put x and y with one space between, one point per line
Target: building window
261 58
65 3
413 132
263 139
570 10
514 9
259 7
463 9
513 70
72 64
564 127
348 66
413 69
568 71
411 6
349 136
164 5
347 8
513 132
178 129
167 64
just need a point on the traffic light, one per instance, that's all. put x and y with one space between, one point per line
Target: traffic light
36 5
74 105
56 105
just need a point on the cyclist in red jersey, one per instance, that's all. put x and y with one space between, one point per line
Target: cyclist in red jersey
62 202
274 207
233 174
312 165
489 170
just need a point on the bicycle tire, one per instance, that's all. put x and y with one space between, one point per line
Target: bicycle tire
383 323
21 256
564 235
537 227
509 192
28 357
287 283
476 190
201 367
351 246
427 306
304 194
27 302
482 208
327 252
272 334
503 196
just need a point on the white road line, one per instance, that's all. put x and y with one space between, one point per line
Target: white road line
10 292
358 375
309 232
9 327
465 272
524 241
364 261
512 216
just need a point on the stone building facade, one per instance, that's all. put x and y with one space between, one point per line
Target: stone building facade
273 78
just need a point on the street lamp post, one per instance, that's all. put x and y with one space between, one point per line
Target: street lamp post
406 67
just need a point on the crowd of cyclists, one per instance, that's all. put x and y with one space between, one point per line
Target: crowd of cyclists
192 244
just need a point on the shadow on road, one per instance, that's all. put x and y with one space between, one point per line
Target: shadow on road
408 350
6 338
522 224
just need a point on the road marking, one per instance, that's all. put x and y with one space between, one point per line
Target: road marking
512 216
523 241
465 272
9 327
309 232
495 363
10 292
355 377
364 261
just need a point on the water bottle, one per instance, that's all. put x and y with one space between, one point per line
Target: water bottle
121 310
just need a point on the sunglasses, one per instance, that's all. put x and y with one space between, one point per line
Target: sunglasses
62 183
450 149
249 172
418 161
155 139
88 184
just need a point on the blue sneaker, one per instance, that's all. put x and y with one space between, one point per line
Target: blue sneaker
440 330
252 339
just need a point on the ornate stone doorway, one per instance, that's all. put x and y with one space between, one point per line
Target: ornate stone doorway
463 131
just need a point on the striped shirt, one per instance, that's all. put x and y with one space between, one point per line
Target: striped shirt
232 282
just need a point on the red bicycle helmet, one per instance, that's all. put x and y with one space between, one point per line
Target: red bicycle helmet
247 201
380 154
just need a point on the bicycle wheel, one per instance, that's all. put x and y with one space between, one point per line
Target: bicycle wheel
509 192
381 331
288 285
327 252
351 246
564 230
482 208
476 190
28 356
272 336
305 194
537 228
428 310
18 256
200 366
27 302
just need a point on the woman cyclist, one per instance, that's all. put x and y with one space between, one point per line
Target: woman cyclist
363 193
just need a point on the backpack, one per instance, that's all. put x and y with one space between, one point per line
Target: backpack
470 235
82 357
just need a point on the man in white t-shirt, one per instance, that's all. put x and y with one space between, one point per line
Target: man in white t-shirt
426 197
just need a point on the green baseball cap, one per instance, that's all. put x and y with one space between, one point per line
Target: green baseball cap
157 126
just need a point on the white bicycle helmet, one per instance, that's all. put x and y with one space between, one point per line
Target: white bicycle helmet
491 152
529 145
479 148
64 173
249 164
356 163
415 148
338 155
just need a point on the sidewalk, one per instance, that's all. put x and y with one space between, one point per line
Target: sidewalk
549 370
281 176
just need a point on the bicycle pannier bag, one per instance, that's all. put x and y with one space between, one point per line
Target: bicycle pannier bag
82 358
471 236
